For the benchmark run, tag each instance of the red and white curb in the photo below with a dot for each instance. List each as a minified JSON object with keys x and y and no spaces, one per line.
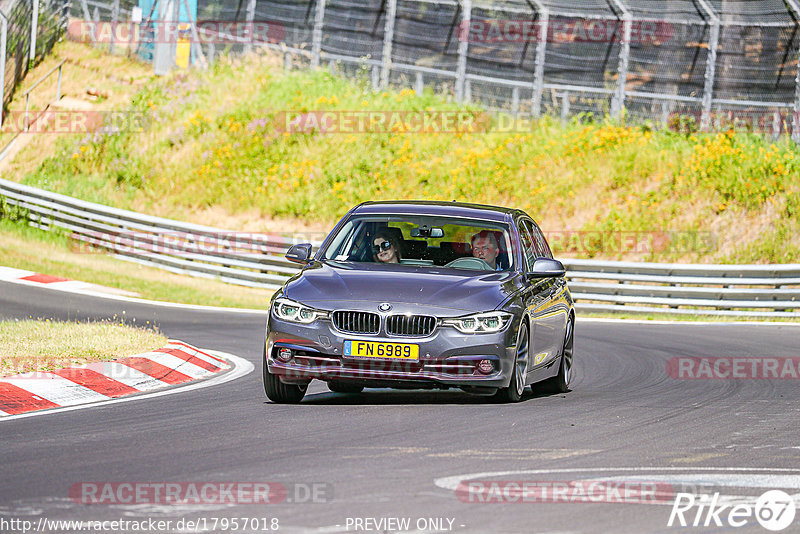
{"x":21,"y":276}
{"x":177,"y":363}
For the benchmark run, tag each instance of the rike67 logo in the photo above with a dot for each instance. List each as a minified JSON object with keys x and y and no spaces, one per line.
{"x":774,"y":510}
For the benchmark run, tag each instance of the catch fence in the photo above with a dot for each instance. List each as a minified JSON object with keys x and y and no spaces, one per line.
{"x":28,"y":31}
{"x":696,"y":64}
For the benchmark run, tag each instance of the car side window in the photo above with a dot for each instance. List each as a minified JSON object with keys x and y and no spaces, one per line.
{"x":541,"y":250}
{"x":528,"y":249}
{"x":541,"y":242}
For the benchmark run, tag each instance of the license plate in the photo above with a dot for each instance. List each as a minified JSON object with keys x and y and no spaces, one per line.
{"x":379,"y":349}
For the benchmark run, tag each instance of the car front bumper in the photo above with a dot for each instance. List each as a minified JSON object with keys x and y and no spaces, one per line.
{"x":447,"y":358}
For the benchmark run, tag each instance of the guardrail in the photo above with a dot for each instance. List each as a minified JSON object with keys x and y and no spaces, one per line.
{"x":256,"y":259}
{"x":251,"y":259}
{"x":738,"y":290}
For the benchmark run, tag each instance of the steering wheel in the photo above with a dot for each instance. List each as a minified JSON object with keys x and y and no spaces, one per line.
{"x":475,"y":264}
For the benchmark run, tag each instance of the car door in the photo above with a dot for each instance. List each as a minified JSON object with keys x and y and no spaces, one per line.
{"x":543,"y":303}
{"x":535,"y":300}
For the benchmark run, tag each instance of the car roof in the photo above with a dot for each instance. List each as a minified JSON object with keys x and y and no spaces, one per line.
{"x":436,"y":208}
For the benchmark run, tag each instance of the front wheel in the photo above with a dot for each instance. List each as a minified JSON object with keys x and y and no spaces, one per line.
{"x":513,"y":393}
{"x":279,"y":392}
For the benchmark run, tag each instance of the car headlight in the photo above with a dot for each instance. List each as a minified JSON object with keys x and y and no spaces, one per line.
{"x":294,"y":312}
{"x":480,"y":322}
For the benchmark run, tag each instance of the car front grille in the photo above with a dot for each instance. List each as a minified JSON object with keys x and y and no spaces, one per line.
{"x":410,"y":325}
{"x":357,"y":322}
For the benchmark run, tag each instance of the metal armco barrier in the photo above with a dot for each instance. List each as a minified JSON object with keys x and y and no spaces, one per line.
{"x":738,"y":290}
{"x":236,"y":257}
{"x":257,"y":260}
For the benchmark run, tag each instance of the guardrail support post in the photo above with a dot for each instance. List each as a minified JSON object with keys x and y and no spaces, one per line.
{"x":795,"y":7}
{"x":515,"y":102}
{"x":711,"y":65}
{"x":34,"y":29}
{"x":543,"y":31}
{"x":419,"y":84}
{"x":564,"y":106}
{"x":251,"y":17}
{"x":58,"y":87}
{"x":114,"y":22}
{"x":463,"y":48}
{"x":388,"y":39}
{"x":618,"y":100}
{"x":87,"y":19}
{"x":316,"y":36}
{"x":796,"y":108}
{"x":3,"y":46}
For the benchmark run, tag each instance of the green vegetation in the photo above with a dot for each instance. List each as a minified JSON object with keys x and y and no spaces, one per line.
{"x":45,"y":345}
{"x":216,"y":139}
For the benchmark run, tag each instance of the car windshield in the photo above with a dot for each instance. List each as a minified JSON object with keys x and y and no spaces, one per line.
{"x":423,"y":240}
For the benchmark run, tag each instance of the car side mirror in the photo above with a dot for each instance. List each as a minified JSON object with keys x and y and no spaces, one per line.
{"x":299,"y":253}
{"x":547,"y":268}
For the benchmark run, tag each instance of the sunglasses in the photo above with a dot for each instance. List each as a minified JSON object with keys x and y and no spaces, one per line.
{"x":386,"y":245}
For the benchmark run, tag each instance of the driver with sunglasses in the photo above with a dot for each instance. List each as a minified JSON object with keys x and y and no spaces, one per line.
{"x":385,"y":249}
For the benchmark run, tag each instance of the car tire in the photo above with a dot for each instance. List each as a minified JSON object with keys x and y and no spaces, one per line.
{"x":344,"y":387}
{"x":279,"y":392}
{"x":560,"y":382}
{"x":516,"y":387}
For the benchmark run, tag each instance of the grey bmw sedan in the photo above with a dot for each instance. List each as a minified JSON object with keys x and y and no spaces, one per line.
{"x":423,"y":295}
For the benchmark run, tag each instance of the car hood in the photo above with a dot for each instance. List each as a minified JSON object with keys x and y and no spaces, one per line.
{"x":330,"y":285}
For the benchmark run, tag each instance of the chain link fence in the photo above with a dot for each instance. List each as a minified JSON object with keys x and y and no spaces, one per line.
{"x":28,"y":31}
{"x":690,"y":63}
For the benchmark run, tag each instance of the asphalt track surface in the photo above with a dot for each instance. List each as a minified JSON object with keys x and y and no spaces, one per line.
{"x":392,"y":454}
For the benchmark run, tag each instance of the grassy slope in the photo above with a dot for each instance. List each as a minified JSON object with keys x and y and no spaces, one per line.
{"x":44,"y":345}
{"x":211,"y":146}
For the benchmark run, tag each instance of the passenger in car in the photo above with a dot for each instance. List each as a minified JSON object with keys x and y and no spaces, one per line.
{"x":485,"y":247}
{"x":386,"y":249}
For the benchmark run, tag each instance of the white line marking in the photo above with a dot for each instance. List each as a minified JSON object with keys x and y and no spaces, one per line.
{"x":580,"y":319}
{"x":10,"y":274}
{"x":132,"y":377}
{"x":139,"y":301}
{"x":199,"y":355}
{"x":452,"y":482}
{"x":55,"y":389}
{"x":173,"y":362}
{"x":241,"y":368}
